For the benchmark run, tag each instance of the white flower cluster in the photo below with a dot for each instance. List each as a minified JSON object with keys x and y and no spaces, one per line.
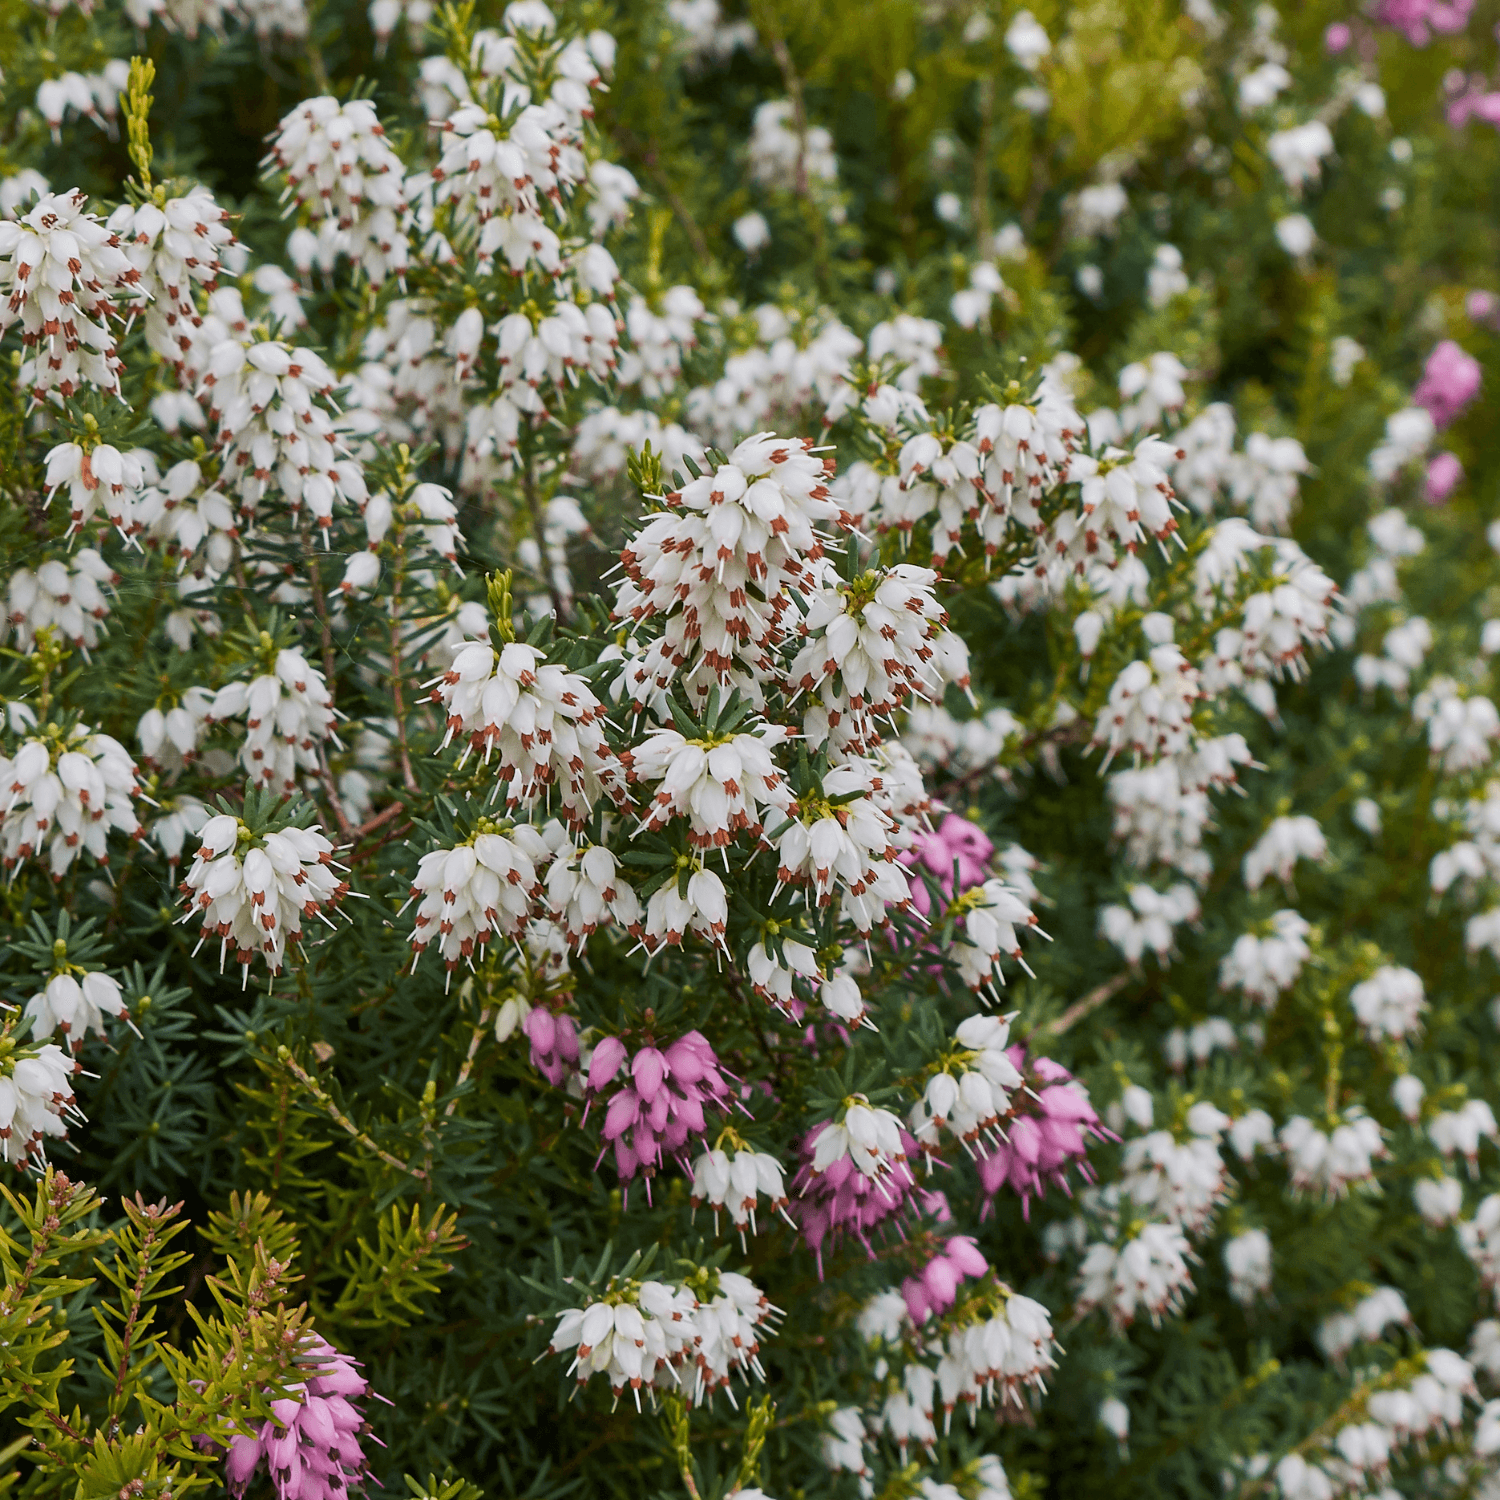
{"x":252,"y":891}
{"x":689,"y":1339}
{"x":61,"y":794}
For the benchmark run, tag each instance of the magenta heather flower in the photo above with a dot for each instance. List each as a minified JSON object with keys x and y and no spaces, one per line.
{"x":1443,"y":475}
{"x":554,"y":1044}
{"x":657,"y":1106}
{"x":311,"y":1447}
{"x":841,"y":1199}
{"x":1048,"y":1130}
{"x":1483,"y":308}
{"x":954,"y":841}
{"x":1337,"y":38}
{"x":1449,"y":383}
{"x":935,"y":1288}
{"x":1416,"y":20}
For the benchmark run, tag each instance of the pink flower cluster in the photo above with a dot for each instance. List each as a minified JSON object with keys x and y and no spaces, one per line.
{"x":657,"y":1105}
{"x":554,"y":1044}
{"x":955,"y":842}
{"x":935,"y":1288}
{"x":1048,"y":1132}
{"x":1416,"y":20}
{"x":1470,"y":99}
{"x":843,"y":1200}
{"x":1449,"y":383}
{"x":1443,"y":475}
{"x":312,"y":1446}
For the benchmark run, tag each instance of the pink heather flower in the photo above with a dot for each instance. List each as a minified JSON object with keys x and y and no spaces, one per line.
{"x":1483,"y":308}
{"x":1443,"y":475}
{"x":1416,"y":20}
{"x":311,"y":1447}
{"x":658,"y":1104}
{"x":843,"y":1200}
{"x":554,"y":1044}
{"x":935,"y":1288}
{"x":955,"y":840}
{"x":1337,"y":38}
{"x":1470,"y":100}
{"x":1449,"y":383}
{"x":1047,"y":1133}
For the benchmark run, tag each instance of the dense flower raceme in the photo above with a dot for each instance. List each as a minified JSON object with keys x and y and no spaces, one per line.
{"x":312,"y":1446}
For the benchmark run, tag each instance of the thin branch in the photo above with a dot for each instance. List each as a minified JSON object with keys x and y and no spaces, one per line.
{"x":1090,"y":1003}
{"x":311,"y":1084}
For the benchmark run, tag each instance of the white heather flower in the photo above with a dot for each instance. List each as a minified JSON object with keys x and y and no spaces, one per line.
{"x":36,"y":1102}
{"x":467,"y":894}
{"x":1260,"y":86}
{"x":845,"y":1445}
{"x":1114,"y":1417}
{"x":1460,"y":730}
{"x":1278,"y":849}
{"x":1181,"y":1181}
{"x":584,"y":889}
{"x":750,"y":524}
{"x":1253,"y":1131}
{"x":870,"y":1137}
{"x":1165,"y":278}
{"x":1480,"y":1238}
{"x":846,"y":846}
{"x":63,"y":595}
{"x":1299,"y":152}
{"x":60,"y":270}
{"x":542,"y":721}
{"x":340,"y":167}
{"x":698,"y":903}
{"x":1002,"y":1350}
{"x":642,"y":1333}
{"x":1097,"y":209}
{"x":287,"y":717}
{"x":62,"y":794}
{"x":778,"y":152}
{"x":906,"y":1415}
{"x":1329,"y":1163}
{"x":1148,"y":1271}
{"x":1295,"y":234}
{"x":735,"y":1182}
{"x":174,"y":246}
{"x":1150,"y":389}
{"x":101,"y":479}
{"x":1265,"y":966}
{"x":721,"y":785}
{"x":1460,"y":1131}
{"x":252,"y":892}
{"x":75,"y":1007}
{"x":1027,"y":41}
{"x":1408,"y":433}
{"x":169,"y":737}
{"x":1389,"y":1003}
{"x":1149,"y":920}
{"x":727,"y":1340}
{"x":268,"y":401}
{"x":181,"y":817}
{"x":992,"y":915}
{"x":972,"y":1092}
{"x":1365,"y":1322}
{"x":1149,"y":710}
{"x":883,"y":1318}
{"x":649,"y":1330}
{"x":1247,"y":1259}
{"x":869,"y":647}
{"x":1407,"y":1094}
{"x":1440,"y":1200}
